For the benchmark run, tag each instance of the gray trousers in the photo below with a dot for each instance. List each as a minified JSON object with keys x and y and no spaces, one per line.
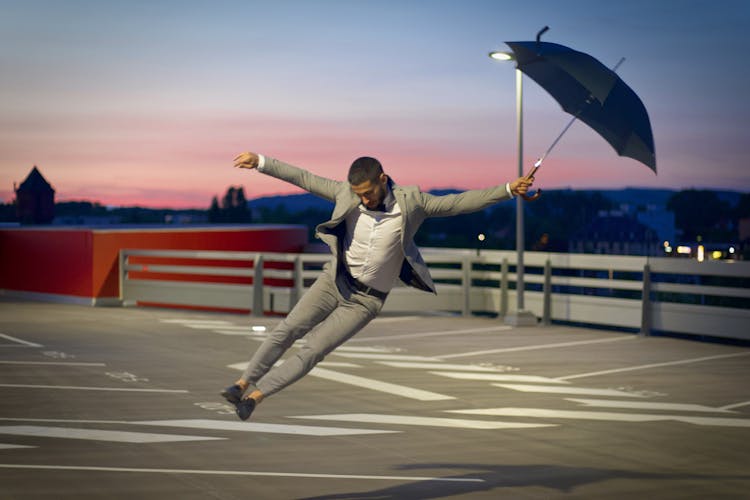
{"x":331,"y":315}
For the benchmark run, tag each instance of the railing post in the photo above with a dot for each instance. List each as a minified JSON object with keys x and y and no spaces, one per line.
{"x":547,"y":313}
{"x":466,"y":285}
{"x":258,"y":286}
{"x":503,"y":287}
{"x":646,"y":302}
{"x":299,"y":282}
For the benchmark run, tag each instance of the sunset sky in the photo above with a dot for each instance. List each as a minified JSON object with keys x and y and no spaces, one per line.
{"x":146,"y":102}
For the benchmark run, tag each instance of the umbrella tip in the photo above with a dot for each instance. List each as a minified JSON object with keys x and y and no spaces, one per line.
{"x":541,"y":32}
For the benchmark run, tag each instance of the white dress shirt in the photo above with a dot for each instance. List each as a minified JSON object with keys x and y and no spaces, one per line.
{"x":372,"y":244}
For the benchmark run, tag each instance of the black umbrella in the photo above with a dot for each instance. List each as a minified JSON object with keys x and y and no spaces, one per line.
{"x":592,"y":93}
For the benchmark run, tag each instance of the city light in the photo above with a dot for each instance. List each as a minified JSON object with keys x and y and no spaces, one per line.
{"x":701,"y":253}
{"x":684,"y":250}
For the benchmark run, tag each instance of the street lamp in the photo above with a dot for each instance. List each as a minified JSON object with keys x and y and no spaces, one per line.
{"x":521,"y":317}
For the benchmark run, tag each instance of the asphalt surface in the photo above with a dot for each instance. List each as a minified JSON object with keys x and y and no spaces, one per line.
{"x":123,"y":403}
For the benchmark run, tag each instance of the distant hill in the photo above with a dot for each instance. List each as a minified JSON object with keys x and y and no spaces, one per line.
{"x":660,"y":197}
{"x":292,"y":202}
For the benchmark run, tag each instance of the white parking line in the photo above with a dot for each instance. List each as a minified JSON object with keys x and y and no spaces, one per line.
{"x":444,"y":366}
{"x":498,"y":377}
{"x":368,"y":383}
{"x":383,"y":338}
{"x":654,"y":365}
{"x":62,"y":421}
{"x":336,"y":364}
{"x":735,"y":405}
{"x":228,"y":327}
{"x":646,"y":405}
{"x":606,"y":416}
{"x":15,"y":341}
{"x":4,"y":446}
{"x":236,"y":473}
{"x":568,"y":390}
{"x":395,"y":319}
{"x":56,"y":363}
{"x":534,"y":347}
{"x":98,"y":434}
{"x":348,"y":348}
{"x":191,"y":321}
{"x":458,"y":423}
{"x":383,"y":357}
{"x":218,"y":425}
{"x":246,"y":332}
{"x":214,"y":325}
{"x":75,"y":388}
{"x":377,"y":385}
{"x":302,"y":430}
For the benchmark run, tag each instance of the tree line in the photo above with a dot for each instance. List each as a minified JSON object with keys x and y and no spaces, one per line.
{"x":699,"y":214}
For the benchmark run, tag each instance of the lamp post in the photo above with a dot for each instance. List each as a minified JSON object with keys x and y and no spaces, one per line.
{"x":521,"y":317}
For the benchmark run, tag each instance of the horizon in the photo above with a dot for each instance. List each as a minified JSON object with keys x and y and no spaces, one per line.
{"x":145,"y":104}
{"x":305,"y":193}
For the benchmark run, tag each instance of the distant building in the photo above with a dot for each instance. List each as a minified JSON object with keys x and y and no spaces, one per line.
{"x":617,"y":234}
{"x":87,"y":220}
{"x":35,"y":199}
{"x":652,"y":215}
{"x":660,"y":220}
{"x":179,"y":218}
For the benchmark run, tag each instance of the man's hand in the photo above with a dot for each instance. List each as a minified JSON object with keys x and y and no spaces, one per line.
{"x":521,"y":185}
{"x":246,"y":160}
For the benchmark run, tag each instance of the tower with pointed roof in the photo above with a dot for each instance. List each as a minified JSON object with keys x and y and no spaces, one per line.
{"x":35,"y":199}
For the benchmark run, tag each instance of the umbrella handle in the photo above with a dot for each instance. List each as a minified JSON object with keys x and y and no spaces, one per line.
{"x":533,"y":196}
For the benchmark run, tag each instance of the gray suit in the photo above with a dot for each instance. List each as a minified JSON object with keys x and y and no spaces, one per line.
{"x":331,"y":304}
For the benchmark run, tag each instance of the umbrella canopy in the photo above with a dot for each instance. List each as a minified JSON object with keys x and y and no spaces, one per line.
{"x":592,"y":93}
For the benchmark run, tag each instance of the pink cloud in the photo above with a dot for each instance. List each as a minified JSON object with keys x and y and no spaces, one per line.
{"x":183,"y":161}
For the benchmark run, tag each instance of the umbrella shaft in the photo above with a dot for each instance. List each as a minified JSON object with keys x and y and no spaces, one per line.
{"x":554,"y":143}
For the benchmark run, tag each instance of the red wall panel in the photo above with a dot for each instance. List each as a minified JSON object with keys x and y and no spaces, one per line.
{"x":46,"y":261}
{"x":83,"y":262}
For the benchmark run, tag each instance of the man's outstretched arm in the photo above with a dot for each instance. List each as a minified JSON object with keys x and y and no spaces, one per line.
{"x":473,"y":200}
{"x":320,"y":186}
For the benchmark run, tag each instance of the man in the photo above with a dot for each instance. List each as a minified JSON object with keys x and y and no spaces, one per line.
{"x":371,"y":236}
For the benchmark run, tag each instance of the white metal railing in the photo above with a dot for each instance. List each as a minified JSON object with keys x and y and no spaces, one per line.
{"x":638,"y":293}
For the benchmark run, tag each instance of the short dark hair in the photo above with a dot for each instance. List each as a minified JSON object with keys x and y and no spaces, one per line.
{"x":364,"y":169}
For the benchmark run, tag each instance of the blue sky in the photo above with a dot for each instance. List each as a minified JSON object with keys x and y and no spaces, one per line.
{"x":147,"y":102}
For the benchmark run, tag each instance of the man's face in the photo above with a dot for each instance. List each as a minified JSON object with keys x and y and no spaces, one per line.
{"x":370,"y":193}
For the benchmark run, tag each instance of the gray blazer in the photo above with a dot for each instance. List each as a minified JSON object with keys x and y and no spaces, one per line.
{"x":415,"y":206}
